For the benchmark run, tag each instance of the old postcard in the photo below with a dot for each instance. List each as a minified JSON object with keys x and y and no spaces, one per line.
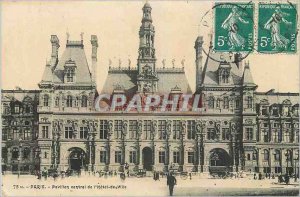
{"x":149,"y":98}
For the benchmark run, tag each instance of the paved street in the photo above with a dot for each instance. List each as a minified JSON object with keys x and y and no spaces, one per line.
{"x":92,"y":186}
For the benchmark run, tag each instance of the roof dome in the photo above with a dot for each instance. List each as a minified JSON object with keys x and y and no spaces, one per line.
{"x":147,"y":5}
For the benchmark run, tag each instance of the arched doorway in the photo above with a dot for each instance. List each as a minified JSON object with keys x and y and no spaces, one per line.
{"x":147,"y":158}
{"x":77,"y":159}
{"x":219,"y":161}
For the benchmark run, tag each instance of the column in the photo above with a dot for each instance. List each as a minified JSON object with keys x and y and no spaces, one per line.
{"x":283,"y":161}
{"x":271,"y":160}
{"x":199,"y":153}
{"x":140,"y":158}
{"x":259,"y":155}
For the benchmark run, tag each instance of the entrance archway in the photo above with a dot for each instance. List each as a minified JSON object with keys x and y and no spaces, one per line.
{"x":77,"y":159}
{"x":219,"y":161}
{"x":147,"y":158}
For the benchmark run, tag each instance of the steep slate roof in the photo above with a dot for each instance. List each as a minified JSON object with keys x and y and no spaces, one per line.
{"x":210,"y":71}
{"x":47,"y":75}
{"x":276,"y":97}
{"x":74,"y":51}
{"x":125,"y":79}
{"x":247,"y":76}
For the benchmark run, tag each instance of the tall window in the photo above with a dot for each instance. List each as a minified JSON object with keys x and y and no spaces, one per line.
{"x":133,"y":129}
{"x":277,"y":136}
{"x":249,"y":133}
{"x":249,"y":102}
{"x":266,"y":134}
{"x":275,"y":110}
{"x":26,"y":153}
{"x":191,"y":157}
{"x":225,"y":134}
{"x":176,"y":157}
{"x":69,"y":101}
{"x":27,"y":134}
{"x":68,"y":132}
{"x":226,"y":102}
{"x":70,"y":74}
{"x":15,"y":134}
{"x":264,"y":110}
{"x":118,"y":129}
{"x":103,"y":129}
{"x":15,"y":153}
{"x":102,"y":156}
{"x":83,"y":132}
{"x":162,"y":157}
{"x":288,"y":136}
{"x":254,"y":155}
{"x":45,"y":131}
{"x":17,"y":109}
{"x":46,"y":100}
{"x":118,"y":157}
{"x":4,"y":134}
{"x":211,"y":134}
{"x":84,"y":101}
{"x":147,"y":129}
{"x":57,"y":102}
{"x":211,"y":102}
{"x":277,"y":155}
{"x":176,"y":129}
{"x":191,"y":130}
{"x":266,"y":155}
{"x":162,"y":129}
{"x":225,"y":76}
{"x":132,"y":157}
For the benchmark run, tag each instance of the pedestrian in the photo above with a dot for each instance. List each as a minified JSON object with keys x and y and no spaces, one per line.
{"x":255,"y":176}
{"x":171,"y":182}
{"x":273,"y":175}
{"x":190,"y":175}
{"x":259,"y":176}
{"x":287,"y":178}
{"x":154,"y":176}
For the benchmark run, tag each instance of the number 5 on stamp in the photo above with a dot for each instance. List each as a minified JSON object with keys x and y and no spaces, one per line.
{"x":233,"y":27}
{"x":277,"y":31}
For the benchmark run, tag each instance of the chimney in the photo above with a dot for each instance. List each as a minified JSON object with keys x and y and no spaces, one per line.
{"x":198,"y":49}
{"x":94,"y":42}
{"x":55,"y":45}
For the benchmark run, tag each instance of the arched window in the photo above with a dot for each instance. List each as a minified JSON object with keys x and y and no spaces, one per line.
{"x":57,"y":102}
{"x":15,"y":153}
{"x":84,"y":101}
{"x":26,"y":153}
{"x":277,"y":155}
{"x":46,"y":100}
{"x":211,"y":102}
{"x":266,"y":155}
{"x":69,"y":101}
{"x":254,"y":155}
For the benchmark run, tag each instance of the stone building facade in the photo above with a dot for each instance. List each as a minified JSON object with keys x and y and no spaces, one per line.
{"x":237,"y":128}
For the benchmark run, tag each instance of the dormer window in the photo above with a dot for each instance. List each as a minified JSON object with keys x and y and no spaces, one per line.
{"x":225,"y":76}
{"x":224,"y":72}
{"x":249,"y":101}
{"x":70,"y":68}
{"x":211,"y":102}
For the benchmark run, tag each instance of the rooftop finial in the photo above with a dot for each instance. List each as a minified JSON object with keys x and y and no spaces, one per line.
{"x":81,"y":35}
{"x":164,"y":62}
{"x":182,"y":63}
{"x":68,"y":35}
{"x":173,"y":63}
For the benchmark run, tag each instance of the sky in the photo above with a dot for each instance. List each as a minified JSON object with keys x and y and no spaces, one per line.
{"x":26,"y":28}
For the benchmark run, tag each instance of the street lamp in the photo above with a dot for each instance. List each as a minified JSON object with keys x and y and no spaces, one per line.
{"x":287,"y":162}
{"x":19,"y":158}
{"x":295,"y":168}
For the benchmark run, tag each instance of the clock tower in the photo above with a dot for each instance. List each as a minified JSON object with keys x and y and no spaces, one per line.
{"x":147,"y":77}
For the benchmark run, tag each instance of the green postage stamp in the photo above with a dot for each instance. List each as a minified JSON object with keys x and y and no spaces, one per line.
{"x":277,"y":30}
{"x":234,"y":27}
